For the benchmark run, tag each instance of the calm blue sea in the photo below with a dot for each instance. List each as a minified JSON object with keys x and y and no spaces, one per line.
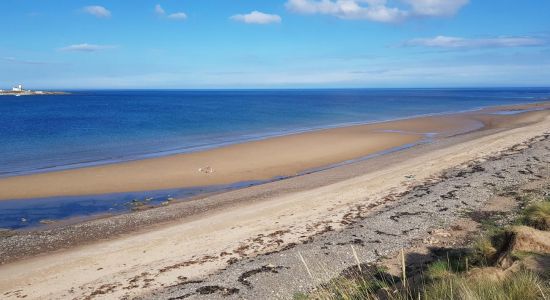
{"x":38,"y":133}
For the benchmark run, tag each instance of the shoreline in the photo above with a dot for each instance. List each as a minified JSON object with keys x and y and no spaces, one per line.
{"x":120,"y":203}
{"x":261,"y":160}
{"x":259,"y":137}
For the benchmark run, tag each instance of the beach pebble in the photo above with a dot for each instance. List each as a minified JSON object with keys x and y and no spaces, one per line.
{"x":4,"y":233}
{"x":431,"y":241}
{"x":441,"y":233}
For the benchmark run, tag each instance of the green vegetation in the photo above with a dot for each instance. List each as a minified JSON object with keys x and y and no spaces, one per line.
{"x":522,"y":285}
{"x":477,"y":272}
{"x":538,"y":215}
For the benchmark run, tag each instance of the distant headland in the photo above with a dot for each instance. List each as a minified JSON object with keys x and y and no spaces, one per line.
{"x":20,"y":91}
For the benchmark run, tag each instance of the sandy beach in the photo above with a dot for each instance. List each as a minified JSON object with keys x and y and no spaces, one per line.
{"x":228,"y":227}
{"x":258,"y":160}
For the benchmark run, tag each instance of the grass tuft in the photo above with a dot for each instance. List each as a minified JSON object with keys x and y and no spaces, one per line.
{"x":538,"y":215}
{"x":523,"y":285}
{"x":438,"y":270}
{"x":484,"y":252}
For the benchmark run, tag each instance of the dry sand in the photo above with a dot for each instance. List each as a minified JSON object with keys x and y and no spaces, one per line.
{"x":194,"y":247}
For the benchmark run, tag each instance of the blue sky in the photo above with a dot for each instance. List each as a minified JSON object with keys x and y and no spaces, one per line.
{"x":274,"y":43}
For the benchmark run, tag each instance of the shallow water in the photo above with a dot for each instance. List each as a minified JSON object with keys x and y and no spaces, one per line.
{"x":27,"y":214}
{"x":18,"y":214}
{"x":514,"y":112}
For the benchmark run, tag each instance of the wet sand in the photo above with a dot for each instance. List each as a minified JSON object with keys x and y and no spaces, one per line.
{"x":257,"y":160}
{"x":192,"y":247}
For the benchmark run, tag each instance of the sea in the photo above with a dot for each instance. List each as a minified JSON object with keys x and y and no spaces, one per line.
{"x":94,"y":127}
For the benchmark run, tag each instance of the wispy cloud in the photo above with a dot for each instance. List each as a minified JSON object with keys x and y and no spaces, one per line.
{"x":97,"y":11}
{"x":376,"y":10}
{"x":436,"y":8}
{"x":257,"y":17}
{"x":177,"y":16}
{"x":23,"y":61}
{"x":458,"y":42}
{"x":159,"y":10}
{"x":34,"y":14}
{"x":86,"y":48}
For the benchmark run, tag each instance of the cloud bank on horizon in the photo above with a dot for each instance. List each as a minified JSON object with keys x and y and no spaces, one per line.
{"x":86,"y":48}
{"x":300,"y":43}
{"x":457,"y":42}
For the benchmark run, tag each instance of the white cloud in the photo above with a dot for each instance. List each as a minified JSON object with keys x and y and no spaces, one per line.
{"x":86,"y":48}
{"x":177,"y":16}
{"x":376,"y":10}
{"x":22,"y":61}
{"x":98,"y":11}
{"x":159,"y":10}
{"x":257,"y":17}
{"x":458,"y":42}
{"x":436,"y":8}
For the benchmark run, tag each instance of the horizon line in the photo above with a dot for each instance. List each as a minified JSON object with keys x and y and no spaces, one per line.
{"x":291,"y":88}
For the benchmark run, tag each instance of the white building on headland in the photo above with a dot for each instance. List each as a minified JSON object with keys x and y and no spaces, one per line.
{"x":18,"y":88}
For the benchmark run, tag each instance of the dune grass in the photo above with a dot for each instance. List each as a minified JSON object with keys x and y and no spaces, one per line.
{"x":440,"y":282}
{"x":523,"y":285}
{"x":450,"y":279}
{"x":538,"y":215}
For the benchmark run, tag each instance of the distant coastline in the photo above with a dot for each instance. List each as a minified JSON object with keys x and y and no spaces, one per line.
{"x":18,"y":90}
{"x":31,"y":93}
